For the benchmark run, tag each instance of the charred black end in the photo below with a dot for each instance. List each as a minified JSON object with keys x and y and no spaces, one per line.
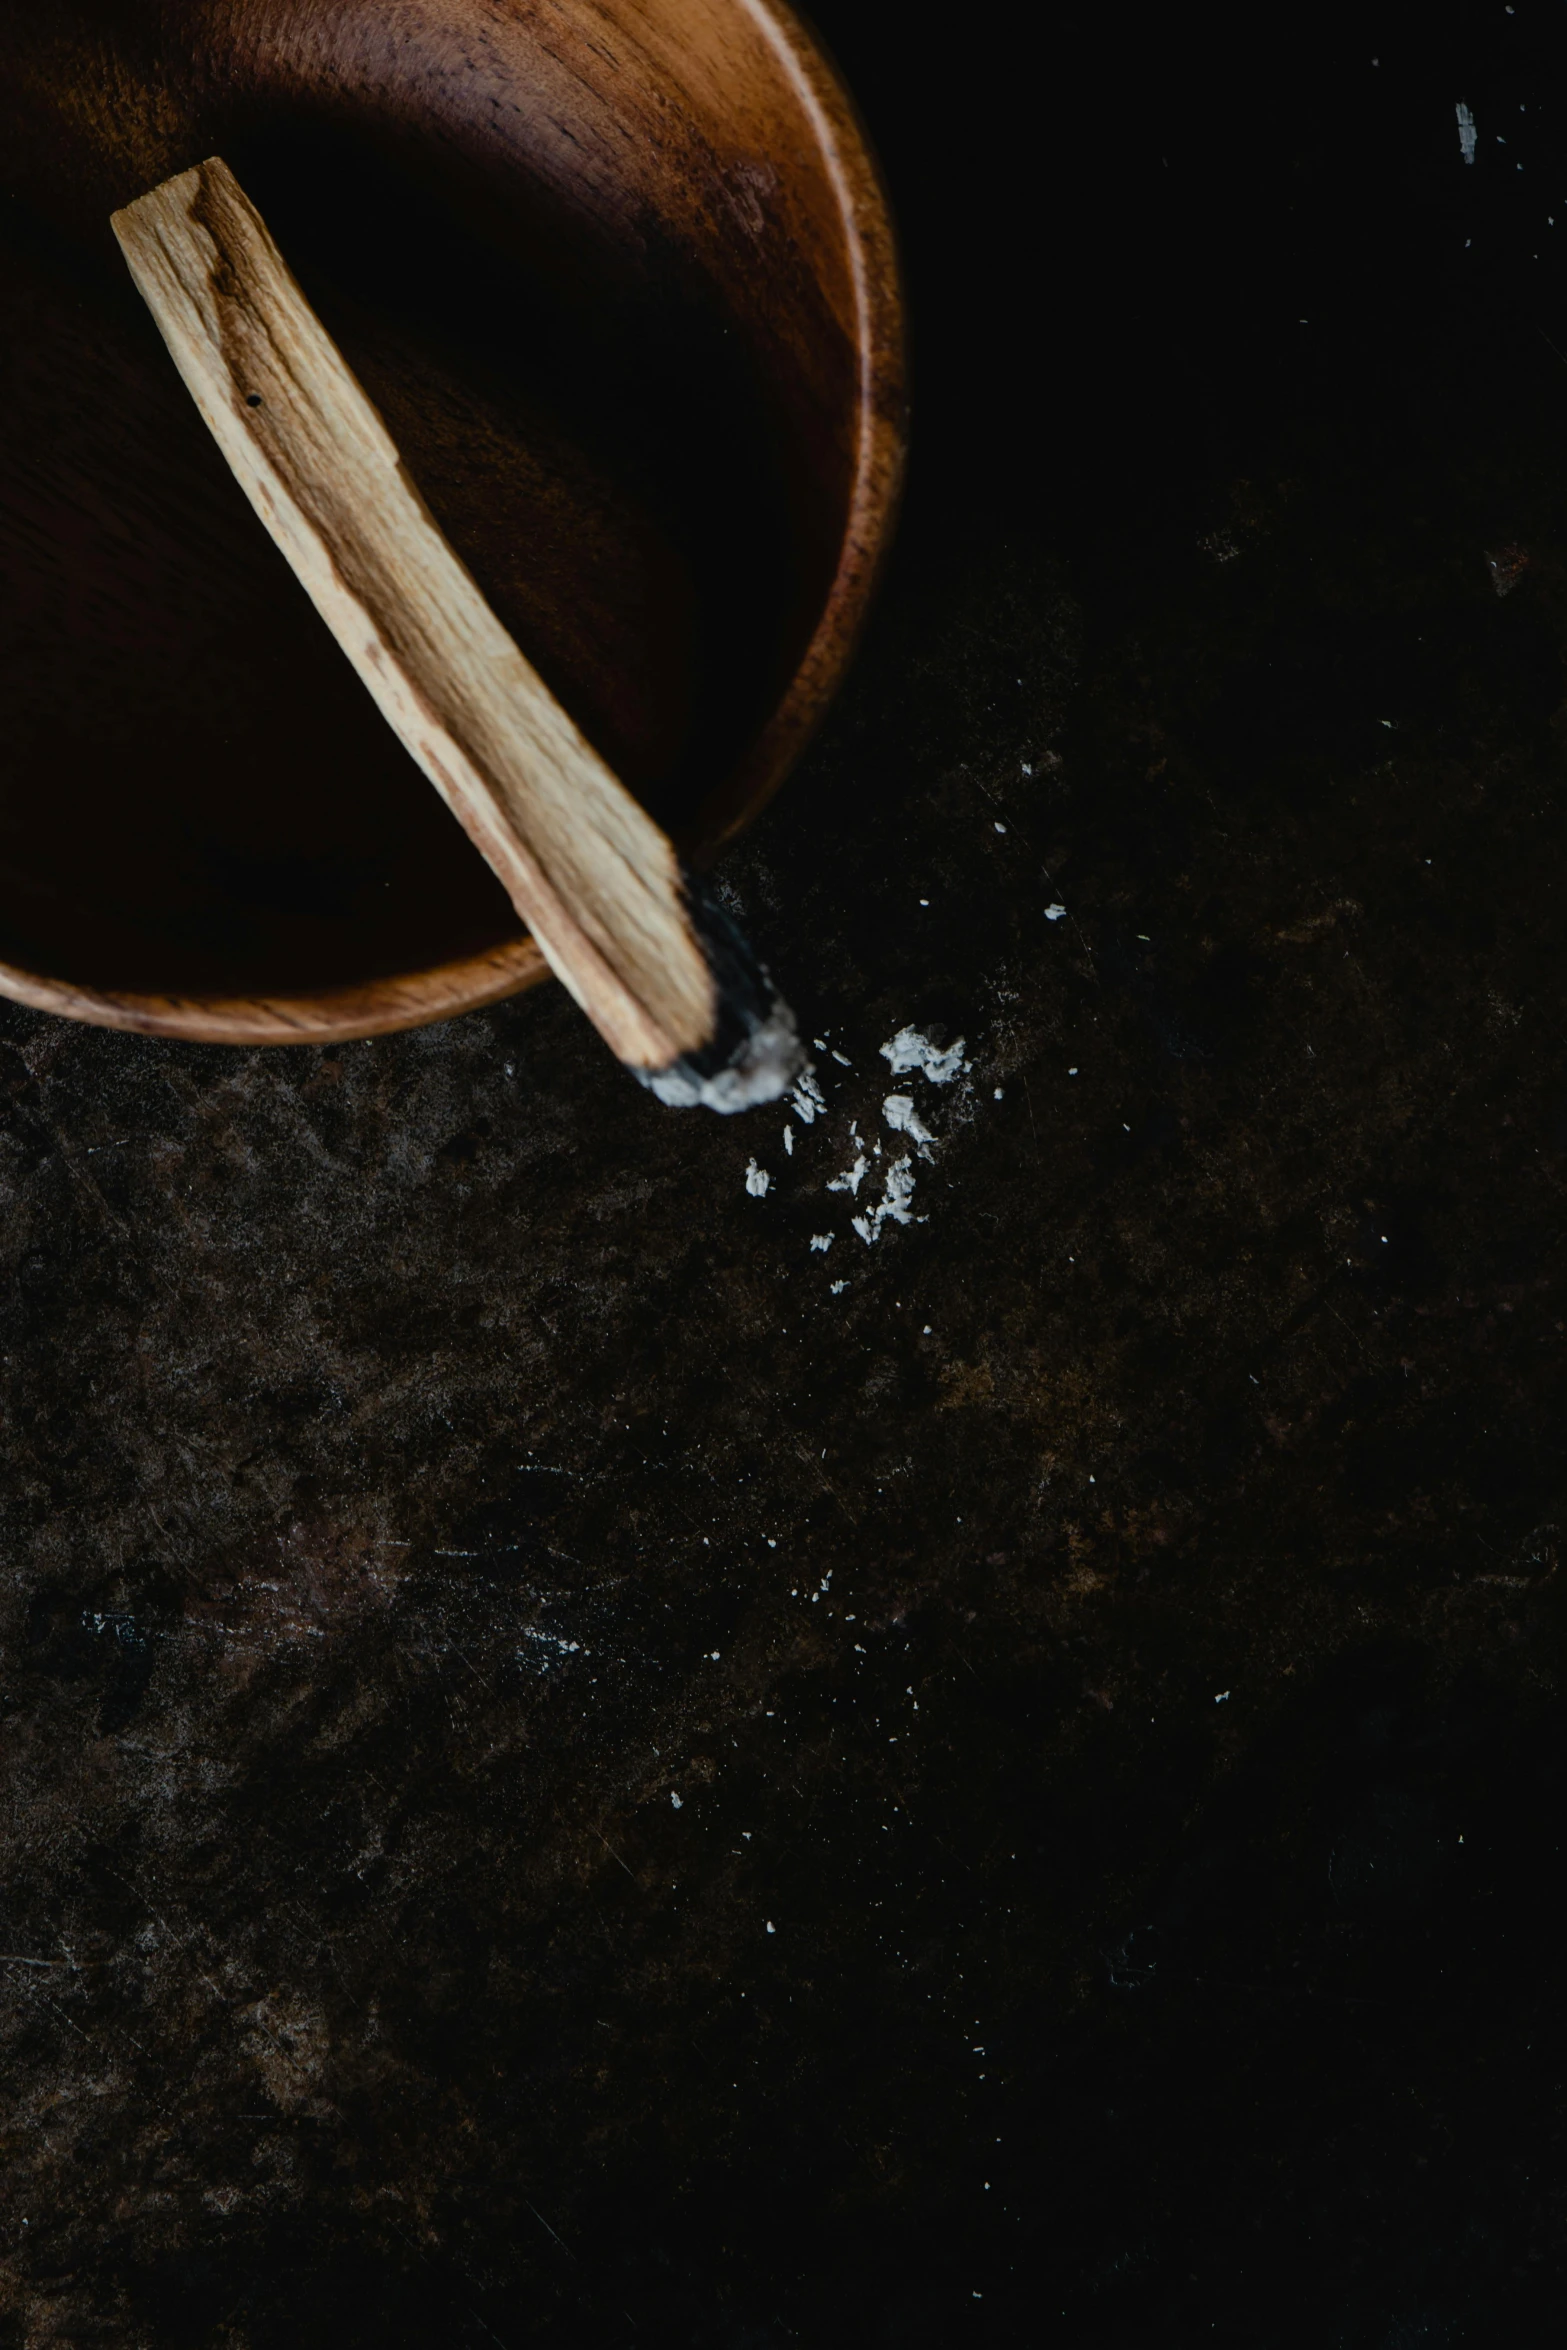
{"x":756,"y":1052}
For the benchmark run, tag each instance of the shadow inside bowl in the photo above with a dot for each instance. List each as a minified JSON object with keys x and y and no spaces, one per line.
{"x":627,"y":378}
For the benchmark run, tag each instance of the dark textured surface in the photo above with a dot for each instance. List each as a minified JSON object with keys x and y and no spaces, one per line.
{"x":565,"y":1782}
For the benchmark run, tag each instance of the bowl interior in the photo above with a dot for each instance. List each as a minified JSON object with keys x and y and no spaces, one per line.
{"x":595,"y":270}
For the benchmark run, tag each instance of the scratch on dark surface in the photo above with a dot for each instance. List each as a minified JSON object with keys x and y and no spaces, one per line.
{"x":614,"y":1855}
{"x":549,"y":2231}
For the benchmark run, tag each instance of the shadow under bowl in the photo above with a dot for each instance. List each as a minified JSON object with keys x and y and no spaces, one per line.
{"x":620,"y":277}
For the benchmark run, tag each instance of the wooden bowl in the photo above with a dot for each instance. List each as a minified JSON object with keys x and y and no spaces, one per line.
{"x":619,"y":275}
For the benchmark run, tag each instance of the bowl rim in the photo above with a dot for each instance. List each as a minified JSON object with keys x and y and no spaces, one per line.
{"x":414,"y":999}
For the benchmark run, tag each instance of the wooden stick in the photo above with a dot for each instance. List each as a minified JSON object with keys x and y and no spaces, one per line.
{"x":651,"y":960}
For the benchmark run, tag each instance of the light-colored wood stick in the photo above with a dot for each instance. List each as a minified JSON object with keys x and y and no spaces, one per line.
{"x":591,"y":874}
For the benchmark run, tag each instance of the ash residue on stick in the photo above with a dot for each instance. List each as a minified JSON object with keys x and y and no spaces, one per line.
{"x":756,"y":1053}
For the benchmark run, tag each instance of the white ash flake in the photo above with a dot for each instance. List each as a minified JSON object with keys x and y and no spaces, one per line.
{"x":839,"y":1287}
{"x":808,"y":1100}
{"x":1055,"y":913}
{"x":909,"y":1050}
{"x":901,"y":1115}
{"x":852,"y":1177}
{"x":893,"y":1206}
{"x":1466,"y":133}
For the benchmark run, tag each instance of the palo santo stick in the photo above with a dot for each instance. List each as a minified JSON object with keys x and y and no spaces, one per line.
{"x":653,"y":963}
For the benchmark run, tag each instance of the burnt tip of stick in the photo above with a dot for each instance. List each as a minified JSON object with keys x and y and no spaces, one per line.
{"x":756,"y":1053}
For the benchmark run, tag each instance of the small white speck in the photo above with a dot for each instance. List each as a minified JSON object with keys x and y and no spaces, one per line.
{"x":757,"y":1180}
{"x":1466,"y":137}
{"x":713,"y":1659}
{"x":924,"y":901}
{"x":1001,"y":828}
{"x":771,"y":1928}
{"x":997,"y":1095}
{"x":838,"y":1287}
{"x":788,"y":1142}
{"x":842,"y":1059}
{"x":1222,"y":1697}
{"x":926,"y":1331}
{"x":675,"y":1800}
{"x":1027,"y":770}
{"x":1071,"y":1072}
{"x":822,"y":1240}
{"x":1055,"y":913}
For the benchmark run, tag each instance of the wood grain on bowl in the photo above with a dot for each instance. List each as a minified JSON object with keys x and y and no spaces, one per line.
{"x":621,"y":282}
